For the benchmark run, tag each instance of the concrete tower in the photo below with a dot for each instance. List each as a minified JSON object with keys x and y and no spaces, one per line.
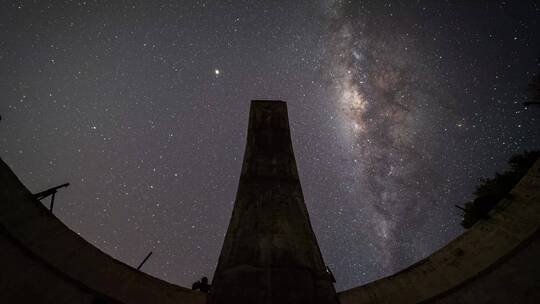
{"x":270,"y":254}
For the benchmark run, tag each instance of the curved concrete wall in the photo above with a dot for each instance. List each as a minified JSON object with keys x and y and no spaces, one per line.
{"x":496,"y":261}
{"x":514,"y":280}
{"x":26,"y":278}
{"x":43,"y":261}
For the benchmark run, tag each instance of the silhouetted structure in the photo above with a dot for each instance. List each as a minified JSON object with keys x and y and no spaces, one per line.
{"x":270,"y":254}
{"x":144,"y":261}
{"x":201,"y":285}
{"x":50,"y":192}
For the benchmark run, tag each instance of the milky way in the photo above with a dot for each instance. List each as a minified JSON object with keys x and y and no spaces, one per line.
{"x":388,"y":98}
{"x":397,"y":108}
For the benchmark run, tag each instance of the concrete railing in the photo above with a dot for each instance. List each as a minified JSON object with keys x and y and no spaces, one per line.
{"x":48,"y":241}
{"x":27,"y":226}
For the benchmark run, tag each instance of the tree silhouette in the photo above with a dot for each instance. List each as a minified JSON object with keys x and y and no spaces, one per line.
{"x":492,"y":190}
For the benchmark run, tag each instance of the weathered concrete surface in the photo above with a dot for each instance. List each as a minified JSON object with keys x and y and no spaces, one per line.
{"x":26,"y":278}
{"x":270,"y":254}
{"x":43,"y":261}
{"x":515,"y":280}
{"x":496,"y":261}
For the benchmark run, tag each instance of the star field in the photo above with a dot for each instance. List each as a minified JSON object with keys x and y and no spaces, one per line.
{"x":396,"y":109}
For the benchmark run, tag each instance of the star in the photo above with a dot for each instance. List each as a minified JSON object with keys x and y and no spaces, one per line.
{"x":380,"y":114}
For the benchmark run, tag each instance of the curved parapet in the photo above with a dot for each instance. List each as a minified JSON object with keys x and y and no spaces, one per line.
{"x":496,"y":261}
{"x":43,"y":261}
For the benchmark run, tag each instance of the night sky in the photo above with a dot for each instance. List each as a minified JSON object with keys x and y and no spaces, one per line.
{"x":397,"y":108}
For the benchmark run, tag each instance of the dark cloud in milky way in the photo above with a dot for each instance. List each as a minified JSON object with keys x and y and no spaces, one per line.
{"x":389,"y":96}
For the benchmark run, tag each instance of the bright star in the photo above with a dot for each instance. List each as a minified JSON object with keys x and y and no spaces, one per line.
{"x":216,"y":71}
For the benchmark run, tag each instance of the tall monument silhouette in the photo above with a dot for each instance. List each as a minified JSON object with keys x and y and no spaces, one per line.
{"x":270,"y":253}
